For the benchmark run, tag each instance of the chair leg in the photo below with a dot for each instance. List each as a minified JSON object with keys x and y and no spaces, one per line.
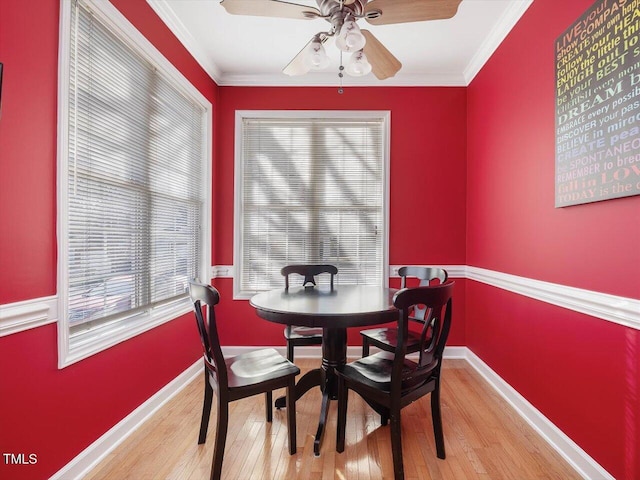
{"x":343,"y":398}
{"x":365,"y":347}
{"x":384,"y":419}
{"x":268,"y":402}
{"x":221,"y":435}
{"x":436,"y":418}
{"x":396,"y":446}
{"x":291,"y":415}
{"x":290,"y":351}
{"x":206,"y":409}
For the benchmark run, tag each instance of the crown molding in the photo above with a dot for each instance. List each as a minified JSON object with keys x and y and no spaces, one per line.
{"x":317,"y":79}
{"x":324,"y":79}
{"x":506,"y":23}
{"x":171,"y":20}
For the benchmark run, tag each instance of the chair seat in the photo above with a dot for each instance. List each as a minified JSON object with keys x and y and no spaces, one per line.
{"x":388,"y":337}
{"x":298,"y":332}
{"x":258,"y":366}
{"x":375,"y":371}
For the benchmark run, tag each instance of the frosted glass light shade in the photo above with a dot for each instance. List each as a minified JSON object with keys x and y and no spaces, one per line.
{"x":350,"y":38}
{"x":316,"y":57}
{"x":358,"y":65}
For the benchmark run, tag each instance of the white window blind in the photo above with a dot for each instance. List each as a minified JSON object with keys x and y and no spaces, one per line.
{"x":134,"y":181}
{"x":312,"y":190}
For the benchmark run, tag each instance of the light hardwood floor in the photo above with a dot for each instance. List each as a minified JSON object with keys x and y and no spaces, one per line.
{"x":484,"y":439}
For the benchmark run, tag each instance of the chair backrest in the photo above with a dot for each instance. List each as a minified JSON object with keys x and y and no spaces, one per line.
{"x":309,"y":273}
{"x":438,"y":300}
{"x":425,"y":275}
{"x":206,"y":295}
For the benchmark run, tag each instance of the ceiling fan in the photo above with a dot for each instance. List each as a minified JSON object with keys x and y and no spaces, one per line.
{"x":368,"y":54}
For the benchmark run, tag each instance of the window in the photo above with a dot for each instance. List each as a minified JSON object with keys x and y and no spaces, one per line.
{"x":133,"y":183}
{"x":311,"y":187}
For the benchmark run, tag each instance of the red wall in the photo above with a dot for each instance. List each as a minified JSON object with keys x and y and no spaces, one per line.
{"x":581,"y":372}
{"x":427,"y":184}
{"x":478,"y":163}
{"x":53,"y":413}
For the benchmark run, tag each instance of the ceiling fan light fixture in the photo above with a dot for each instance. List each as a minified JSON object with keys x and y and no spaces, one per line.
{"x":350,"y":38}
{"x":316,"y":57}
{"x":358,"y":65}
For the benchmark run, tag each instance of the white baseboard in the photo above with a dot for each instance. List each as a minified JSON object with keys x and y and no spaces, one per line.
{"x":98,"y":450}
{"x":586,"y":466}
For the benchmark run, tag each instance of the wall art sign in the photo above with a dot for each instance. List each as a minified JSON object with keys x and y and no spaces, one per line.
{"x":598,"y":105}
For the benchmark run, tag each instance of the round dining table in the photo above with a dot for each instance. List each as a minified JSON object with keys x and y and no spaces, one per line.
{"x":334,"y":310}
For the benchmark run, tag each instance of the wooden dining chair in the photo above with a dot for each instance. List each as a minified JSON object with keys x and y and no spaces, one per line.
{"x":389,"y":381}
{"x":242,"y":376}
{"x":295,"y":335}
{"x":387,"y":338}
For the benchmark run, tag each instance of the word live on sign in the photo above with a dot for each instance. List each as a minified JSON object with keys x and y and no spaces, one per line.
{"x":598,"y":105}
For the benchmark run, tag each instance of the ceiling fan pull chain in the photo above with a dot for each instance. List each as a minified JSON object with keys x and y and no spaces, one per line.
{"x":340,"y":75}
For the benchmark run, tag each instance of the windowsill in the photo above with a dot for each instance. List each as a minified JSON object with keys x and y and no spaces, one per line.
{"x":83,"y":345}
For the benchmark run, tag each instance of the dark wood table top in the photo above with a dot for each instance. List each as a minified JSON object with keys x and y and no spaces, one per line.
{"x":344,"y":306}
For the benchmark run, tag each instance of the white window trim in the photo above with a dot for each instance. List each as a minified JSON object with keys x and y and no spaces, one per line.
{"x":110,"y":335}
{"x":355,"y":114}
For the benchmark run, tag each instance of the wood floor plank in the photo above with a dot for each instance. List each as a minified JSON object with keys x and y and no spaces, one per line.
{"x":485,"y":439}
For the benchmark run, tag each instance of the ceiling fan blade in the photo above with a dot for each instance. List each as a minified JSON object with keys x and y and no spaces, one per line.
{"x":270,"y":8}
{"x":404,"y":11}
{"x":298,"y":66}
{"x":383,"y":63}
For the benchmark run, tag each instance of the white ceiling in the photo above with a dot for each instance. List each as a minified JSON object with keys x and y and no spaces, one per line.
{"x":244,"y":50}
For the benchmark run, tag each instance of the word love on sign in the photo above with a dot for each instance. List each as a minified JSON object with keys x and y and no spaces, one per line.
{"x":598,"y":105}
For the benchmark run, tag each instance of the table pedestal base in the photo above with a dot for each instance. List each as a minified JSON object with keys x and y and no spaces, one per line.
{"x":334,"y":354}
